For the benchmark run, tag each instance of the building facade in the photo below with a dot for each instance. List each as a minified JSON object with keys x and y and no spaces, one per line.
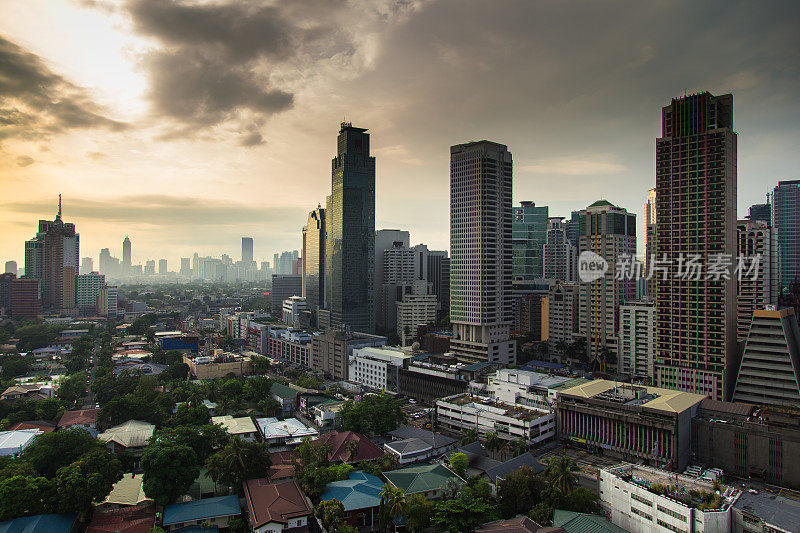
{"x":331,"y":350}
{"x":696,"y":191}
{"x":637,"y":338}
{"x":562,"y":316}
{"x":314,"y":260}
{"x":350,"y":238}
{"x":650,"y":240}
{"x":529,"y":235}
{"x":756,"y":242}
{"x":481,"y":308}
{"x":560,"y":256}
{"x":89,"y":287}
{"x":786,"y":220}
{"x":284,"y":286}
{"x":418,"y":307}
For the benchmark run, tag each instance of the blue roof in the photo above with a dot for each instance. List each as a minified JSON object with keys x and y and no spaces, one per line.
{"x":179,"y":513}
{"x":42,"y":523}
{"x":359,"y":491}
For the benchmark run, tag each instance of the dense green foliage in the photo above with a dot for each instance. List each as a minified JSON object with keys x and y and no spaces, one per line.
{"x":169,"y":471}
{"x":375,"y":414}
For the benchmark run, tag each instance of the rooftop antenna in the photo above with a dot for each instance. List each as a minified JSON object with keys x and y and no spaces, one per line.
{"x":59,"y":208}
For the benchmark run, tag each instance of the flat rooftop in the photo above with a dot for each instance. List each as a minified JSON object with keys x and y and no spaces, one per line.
{"x":480,"y":403}
{"x":775,"y":510}
{"x":654,"y":398}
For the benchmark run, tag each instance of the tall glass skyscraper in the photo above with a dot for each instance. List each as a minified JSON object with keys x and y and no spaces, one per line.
{"x":786,"y":219}
{"x":350,"y":241}
{"x":528,"y":237}
{"x":247,"y":250}
{"x":314,"y":260}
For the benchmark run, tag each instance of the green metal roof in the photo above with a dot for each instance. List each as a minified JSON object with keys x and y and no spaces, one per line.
{"x":574,"y":522}
{"x":282,"y":391}
{"x":600,"y":203}
{"x":421,"y":478}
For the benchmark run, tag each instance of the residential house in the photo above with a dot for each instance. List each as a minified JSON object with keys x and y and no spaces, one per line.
{"x":28,"y":391}
{"x":361,"y":496}
{"x":573,"y":522}
{"x":289,"y":432}
{"x":213,"y":511}
{"x":518,"y":524}
{"x":286,"y":396}
{"x":429,"y":480}
{"x":127,"y":492}
{"x":41,"y":523}
{"x":42,"y":425}
{"x":129,"y":519}
{"x":12,"y":443}
{"x":84,"y":419}
{"x":411,"y":444}
{"x":241,"y":427}
{"x":276,"y":507}
{"x":343,"y":451}
{"x":131,"y":437}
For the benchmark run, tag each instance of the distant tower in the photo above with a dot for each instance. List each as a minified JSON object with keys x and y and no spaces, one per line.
{"x":314,"y":260}
{"x":126,"y":255}
{"x":247,"y":250}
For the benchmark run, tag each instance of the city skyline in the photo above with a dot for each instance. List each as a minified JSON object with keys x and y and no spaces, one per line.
{"x":129,"y":162}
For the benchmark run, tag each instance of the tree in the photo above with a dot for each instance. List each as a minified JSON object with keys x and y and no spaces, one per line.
{"x":10,"y":467}
{"x":376,"y":414}
{"x":469,"y":436}
{"x":26,"y":495}
{"x":51,"y":451}
{"x":308,"y":382}
{"x":204,"y":440}
{"x":72,"y":389}
{"x":169,"y":471}
{"x":464,"y":513}
{"x":559,"y":471}
{"x":519,"y":447}
{"x":392,"y":505}
{"x":353,"y":448}
{"x":418,"y":513}
{"x":270,"y":407}
{"x":88,"y":480}
{"x":519,"y":491}
{"x":330,"y":513}
{"x":493,"y":442}
{"x":257,"y":389}
{"x":177,"y":370}
{"x":459,"y":463}
{"x":237,"y":462}
{"x":189,"y":415}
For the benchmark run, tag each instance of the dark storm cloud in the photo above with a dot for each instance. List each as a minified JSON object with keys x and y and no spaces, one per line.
{"x":216,"y":59}
{"x":163,"y":211}
{"x":36,"y":102}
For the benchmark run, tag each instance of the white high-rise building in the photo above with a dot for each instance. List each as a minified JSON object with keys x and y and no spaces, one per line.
{"x":417,"y":307}
{"x":481,"y":307}
{"x":89,"y":287}
{"x":637,"y":338}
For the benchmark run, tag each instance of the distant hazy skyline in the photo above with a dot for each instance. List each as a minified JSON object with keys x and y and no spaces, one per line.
{"x":187,"y":125}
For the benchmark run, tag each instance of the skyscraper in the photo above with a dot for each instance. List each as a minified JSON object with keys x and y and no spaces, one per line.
{"x":756,"y":241}
{"x":439,"y":276}
{"x":350,"y":240}
{"x":696,"y":192}
{"x":480,"y":245}
{"x":126,"y":256}
{"x":162,"y":267}
{"x":87,"y":265}
{"x":11,"y":267}
{"x":786,"y":219}
{"x":385,"y":239}
{"x":186,"y":269}
{"x":610,"y":232}
{"x":314,"y":260}
{"x":560,"y":256}
{"x":762,"y":212}
{"x":650,"y":239}
{"x":52,"y":257}
{"x":247,"y":250}
{"x":529,"y":234}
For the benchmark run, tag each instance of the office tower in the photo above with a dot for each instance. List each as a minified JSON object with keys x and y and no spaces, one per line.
{"x":162,"y":267}
{"x":769,"y":373}
{"x":650,"y":240}
{"x":573,"y":229}
{"x":26,"y":301}
{"x":480,"y":247}
{"x":762,"y":212}
{"x":610,"y":232}
{"x":6,"y":283}
{"x":126,"y":256}
{"x":109,"y":266}
{"x":89,"y":287}
{"x":786,"y":219}
{"x":54,"y":257}
{"x":530,"y":311}
{"x":331,"y":351}
{"x":186,"y":268}
{"x":297,"y":266}
{"x":276,"y":264}
{"x":11,"y":267}
{"x":247,"y":250}
{"x":439,"y":276}
{"x":560,"y":256}
{"x":637,"y":338}
{"x":314,"y":260}
{"x":195,"y":265}
{"x":562,"y":316}
{"x":284,"y":286}
{"x":150,"y":267}
{"x":87,"y":265}
{"x":108,"y":302}
{"x":350,"y":240}
{"x":417,"y":307}
{"x":696,"y":194}
{"x":529,"y":234}
{"x":385,"y":239}
{"x":756,"y":241}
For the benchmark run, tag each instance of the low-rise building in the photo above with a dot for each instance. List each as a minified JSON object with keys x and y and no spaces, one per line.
{"x":528,"y":388}
{"x":510,"y":422}
{"x":349,"y":447}
{"x":767,"y":512}
{"x":630,"y":422}
{"x":642,"y":500}
{"x":331,"y":351}
{"x":289,"y":432}
{"x":428,"y":480}
{"x":286,"y":396}
{"x":410,"y":444}
{"x":242,"y":427}
{"x":31,"y":391}
{"x":131,"y":437}
{"x":295,"y":309}
{"x":326,"y":414}
{"x":360,"y":495}
{"x":126,"y":492}
{"x":212,"y":511}
{"x":427,"y":381}
{"x":12,"y":443}
{"x":290,"y":344}
{"x":84,"y":419}
{"x":218,"y":365}
{"x":377,"y":367}
{"x":276,"y":507}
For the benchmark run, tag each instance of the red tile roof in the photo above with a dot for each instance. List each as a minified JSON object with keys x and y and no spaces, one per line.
{"x":275,"y":502}
{"x":340,"y":450}
{"x":281,"y":466}
{"x":85,"y":416}
{"x":44,"y":426}
{"x":138,"y":519}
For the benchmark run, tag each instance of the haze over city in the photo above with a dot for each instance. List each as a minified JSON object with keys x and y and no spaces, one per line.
{"x":154,"y":122}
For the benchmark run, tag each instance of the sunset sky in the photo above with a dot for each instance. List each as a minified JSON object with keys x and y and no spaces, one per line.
{"x":189,"y":124}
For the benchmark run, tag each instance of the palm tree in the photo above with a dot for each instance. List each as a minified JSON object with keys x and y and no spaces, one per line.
{"x":493,"y":442}
{"x":559,"y":472}
{"x":469,"y":436}
{"x":352,"y":449}
{"x":519,"y":447}
{"x":392,"y":505}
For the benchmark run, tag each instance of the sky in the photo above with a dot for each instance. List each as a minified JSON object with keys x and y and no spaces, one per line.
{"x":189,"y":124}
